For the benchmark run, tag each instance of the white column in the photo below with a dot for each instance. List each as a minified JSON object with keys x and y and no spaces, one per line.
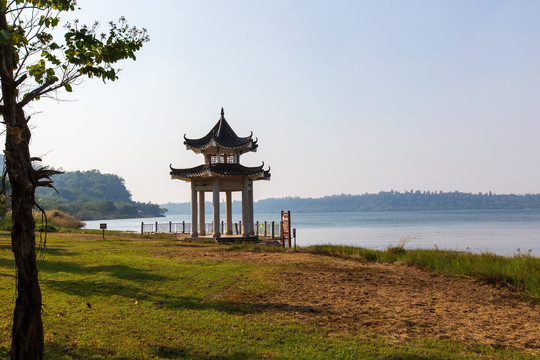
{"x":250,"y":208}
{"x":228,"y":210}
{"x":245,"y":217}
{"x":194,"y":232}
{"x":202,"y":220}
{"x":217,"y":222}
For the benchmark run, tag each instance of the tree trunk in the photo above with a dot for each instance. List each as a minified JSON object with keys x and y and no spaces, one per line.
{"x":27,"y":336}
{"x":27,"y":340}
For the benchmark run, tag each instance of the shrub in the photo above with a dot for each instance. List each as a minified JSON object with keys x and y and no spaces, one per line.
{"x":58,"y":219}
{"x":48,"y":228}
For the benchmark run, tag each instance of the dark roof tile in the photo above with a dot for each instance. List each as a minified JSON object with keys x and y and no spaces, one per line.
{"x":221,"y":169}
{"x":223,"y":135}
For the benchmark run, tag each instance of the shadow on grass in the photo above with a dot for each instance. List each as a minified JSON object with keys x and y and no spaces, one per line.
{"x":410,"y":357}
{"x":58,"y":252}
{"x":7,"y":263}
{"x":165,"y":352}
{"x":64,"y":351}
{"x":126,"y":272}
{"x":48,"y":250}
{"x":54,"y":350}
{"x":5,"y":247}
{"x":85,"y":289}
{"x":118,"y":271}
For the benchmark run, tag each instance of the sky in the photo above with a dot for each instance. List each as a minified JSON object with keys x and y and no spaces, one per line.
{"x":345,"y":97}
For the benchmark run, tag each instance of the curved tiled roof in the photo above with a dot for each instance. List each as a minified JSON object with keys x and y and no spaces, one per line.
{"x":223,"y":135}
{"x":221,"y":169}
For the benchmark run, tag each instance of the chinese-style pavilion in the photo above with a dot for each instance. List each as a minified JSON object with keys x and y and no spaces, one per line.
{"x":221,"y":172}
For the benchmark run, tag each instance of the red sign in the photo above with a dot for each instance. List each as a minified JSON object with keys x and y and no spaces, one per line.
{"x":286,"y":227}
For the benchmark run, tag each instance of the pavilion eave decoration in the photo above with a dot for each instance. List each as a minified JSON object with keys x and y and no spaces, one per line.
{"x":221,"y":172}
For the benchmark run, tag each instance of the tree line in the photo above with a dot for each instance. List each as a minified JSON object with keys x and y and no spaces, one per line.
{"x":384,"y":201}
{"x":91,"y":195}
{"x":401,"y":201}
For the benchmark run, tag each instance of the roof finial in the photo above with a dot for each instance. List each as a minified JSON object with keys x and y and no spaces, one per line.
{"x":222,"y":112}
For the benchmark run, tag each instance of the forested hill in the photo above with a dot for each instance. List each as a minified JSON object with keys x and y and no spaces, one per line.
{"x":387,"y":201}
{"x":396,"y":201}
{"x":91,"y":195}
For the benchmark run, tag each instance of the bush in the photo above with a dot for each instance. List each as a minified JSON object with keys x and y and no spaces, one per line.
{"x":5,"y":223}
{"x":58,"y":219}
{"x":48,"y":228}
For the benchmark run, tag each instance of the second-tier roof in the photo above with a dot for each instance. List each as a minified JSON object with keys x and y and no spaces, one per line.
{"x":225,"y":170}
{"x":221,"y":135}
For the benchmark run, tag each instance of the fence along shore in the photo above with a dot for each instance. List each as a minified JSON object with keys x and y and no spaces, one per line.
{"x":271,"y":229}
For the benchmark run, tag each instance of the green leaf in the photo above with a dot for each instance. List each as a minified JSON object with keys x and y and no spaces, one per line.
{"x":5,"y":37}
{"x":68,"y":88}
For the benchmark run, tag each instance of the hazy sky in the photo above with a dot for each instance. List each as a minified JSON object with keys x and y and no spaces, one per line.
{"x":344,"y":96}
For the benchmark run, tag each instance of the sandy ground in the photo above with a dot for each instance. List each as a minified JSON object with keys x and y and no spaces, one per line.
{"x":395,"y":301}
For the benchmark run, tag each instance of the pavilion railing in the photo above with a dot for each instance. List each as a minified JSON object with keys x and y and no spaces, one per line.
{"x":266,"y":228}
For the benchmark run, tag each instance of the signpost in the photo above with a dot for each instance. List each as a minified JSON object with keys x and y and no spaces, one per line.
{"x":285,"y":228}
{"x":103,"y":226}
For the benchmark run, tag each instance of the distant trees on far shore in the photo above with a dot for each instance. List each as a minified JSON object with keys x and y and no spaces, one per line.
{"x":386,"y":201}
{"x":91,"y":195}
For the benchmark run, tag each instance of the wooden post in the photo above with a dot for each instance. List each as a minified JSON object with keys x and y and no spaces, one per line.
{"x":272,"y":230}
{"x":257,"y":228}
{"x":103,"y":226}
{"x":236,"y":228}
{"x":222,"y":227}
{"x":265,"y":228}
{"x":183,"y":227}
{"x":282,"y":237}
{"x":142,"y":227}
{"x":170,"y":226}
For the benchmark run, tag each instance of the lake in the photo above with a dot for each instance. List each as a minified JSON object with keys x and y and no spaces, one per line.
{"x":499,"y":231}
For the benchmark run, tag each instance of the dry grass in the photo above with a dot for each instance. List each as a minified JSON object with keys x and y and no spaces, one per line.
{"x":59,"y":219}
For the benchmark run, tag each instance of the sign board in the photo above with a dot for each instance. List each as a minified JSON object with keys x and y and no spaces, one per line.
{"x":286,"y":227}
{"x":103,"y":226}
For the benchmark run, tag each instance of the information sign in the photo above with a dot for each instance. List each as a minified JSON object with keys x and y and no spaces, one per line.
{"x":286,"y":228}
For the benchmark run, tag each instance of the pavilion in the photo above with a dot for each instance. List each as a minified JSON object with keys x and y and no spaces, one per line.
{"x":221,"y":172}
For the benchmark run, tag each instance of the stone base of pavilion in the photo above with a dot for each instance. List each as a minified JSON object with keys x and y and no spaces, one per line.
{"x":227,"y":239}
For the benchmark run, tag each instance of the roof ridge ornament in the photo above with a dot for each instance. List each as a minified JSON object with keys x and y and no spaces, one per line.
{"x":217,"y":131}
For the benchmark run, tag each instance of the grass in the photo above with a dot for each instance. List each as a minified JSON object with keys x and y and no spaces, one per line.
{"x":56,"y":221}
{"x":520,"y":272}
{"x":126,"y":297}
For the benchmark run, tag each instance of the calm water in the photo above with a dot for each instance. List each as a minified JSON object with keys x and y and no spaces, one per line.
{"x":499,"y":231}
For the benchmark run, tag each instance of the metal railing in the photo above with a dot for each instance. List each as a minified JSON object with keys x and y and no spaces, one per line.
{"x":266,"y":228}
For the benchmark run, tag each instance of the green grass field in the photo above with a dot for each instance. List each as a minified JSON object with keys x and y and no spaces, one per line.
{"x":124,"y":298}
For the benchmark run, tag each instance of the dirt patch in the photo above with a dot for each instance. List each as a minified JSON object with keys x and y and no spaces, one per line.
{"x":395,"y":301}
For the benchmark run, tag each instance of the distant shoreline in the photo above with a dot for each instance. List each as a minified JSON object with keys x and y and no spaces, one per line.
{"x":383,"y":201}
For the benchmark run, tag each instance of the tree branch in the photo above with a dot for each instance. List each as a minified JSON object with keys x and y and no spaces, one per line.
{"x":20,"y":80}
{"x":35,"y":93}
